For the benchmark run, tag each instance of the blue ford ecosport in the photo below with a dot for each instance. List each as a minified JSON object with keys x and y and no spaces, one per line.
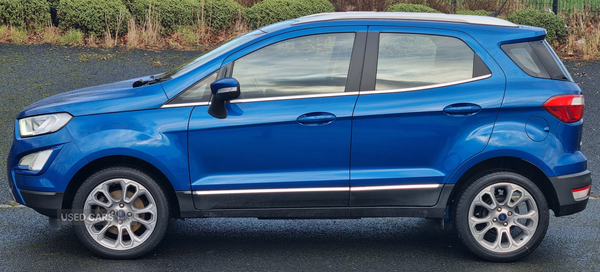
{"x":340,"y":115}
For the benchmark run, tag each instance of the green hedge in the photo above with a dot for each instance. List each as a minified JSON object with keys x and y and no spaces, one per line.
{"x":554,"y":24}
{"x":411,"y":8}
{"x":480,"y":12}
{"x":91,"y":16}
{"x":171,"y":13}
{"x":24,"y":13}
{"x":220,"y":14}
{"x":272,"y":11}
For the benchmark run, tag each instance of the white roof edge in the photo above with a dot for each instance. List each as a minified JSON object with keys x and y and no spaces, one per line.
{"x":434,"y":17}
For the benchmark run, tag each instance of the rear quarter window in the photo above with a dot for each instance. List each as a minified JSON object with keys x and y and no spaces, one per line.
{"x":537,"y":59}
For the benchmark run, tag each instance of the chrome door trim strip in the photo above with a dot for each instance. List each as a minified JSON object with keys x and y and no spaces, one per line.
{"x":318,"y":189}
{"x":280,"y":190}
{"x":394,"y":187}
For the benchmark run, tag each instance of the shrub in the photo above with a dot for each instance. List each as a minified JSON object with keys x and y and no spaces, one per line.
{"x":18,"y":36}
{"x":171,"y":13}
{"x":219,"y":14}
{"x":480,"y":12}
{"x":411,"y":8}
{"x":272,"y":11}
{"x":72,"y":37}
{"x":93,"y":16}
{"x":554,"y":24}
{"x":24,"y":13}
{"x":53,"y":6}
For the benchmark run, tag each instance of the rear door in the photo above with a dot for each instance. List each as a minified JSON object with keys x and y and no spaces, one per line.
{"x":428,"y":102}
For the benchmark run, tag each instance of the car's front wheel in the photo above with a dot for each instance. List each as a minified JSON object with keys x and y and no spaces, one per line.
{"x":125,"y":213}
{"x":501,"y":216}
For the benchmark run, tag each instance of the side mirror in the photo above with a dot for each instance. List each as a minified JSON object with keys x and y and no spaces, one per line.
{"x":223,"y":90}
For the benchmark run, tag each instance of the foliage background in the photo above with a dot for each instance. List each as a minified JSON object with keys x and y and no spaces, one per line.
{"x":204,"y":24}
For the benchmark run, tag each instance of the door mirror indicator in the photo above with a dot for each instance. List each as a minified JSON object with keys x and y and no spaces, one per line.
{"x":223,"y":90}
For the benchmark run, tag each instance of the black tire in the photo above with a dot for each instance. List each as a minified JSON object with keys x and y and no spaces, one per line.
{"x":489,"y":227}
{"x":130,"y":195}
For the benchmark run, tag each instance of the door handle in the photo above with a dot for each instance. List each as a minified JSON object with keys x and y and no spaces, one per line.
{"x":462,"y":109}
{"x":316,"y":118}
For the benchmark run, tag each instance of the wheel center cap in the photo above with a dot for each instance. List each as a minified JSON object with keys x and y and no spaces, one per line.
{"x":502,"y":217}
{"x":121,"y":214}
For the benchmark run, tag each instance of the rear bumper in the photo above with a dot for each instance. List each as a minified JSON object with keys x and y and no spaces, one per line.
{"x":564,"y":185}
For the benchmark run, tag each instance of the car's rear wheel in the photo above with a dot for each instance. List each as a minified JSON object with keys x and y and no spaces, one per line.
{"x":126,"y":213}
{"x":501,"y":216}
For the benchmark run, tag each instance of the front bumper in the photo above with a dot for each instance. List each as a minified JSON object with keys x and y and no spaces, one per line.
{"x":43,"y":190}
{"x":46,"y":203}
{"x":564,"y":185}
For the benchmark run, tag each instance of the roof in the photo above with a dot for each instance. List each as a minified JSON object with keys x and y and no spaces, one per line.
{"x":413,"y":16}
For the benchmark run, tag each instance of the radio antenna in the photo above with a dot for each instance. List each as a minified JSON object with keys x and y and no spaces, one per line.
{"x":495,"y":14}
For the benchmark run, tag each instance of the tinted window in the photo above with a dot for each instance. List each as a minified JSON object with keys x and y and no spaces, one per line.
{"x":199,"y":92}
{"x":536,"y":59}
{"x":414,"y":60}
{"x":315,"y":64}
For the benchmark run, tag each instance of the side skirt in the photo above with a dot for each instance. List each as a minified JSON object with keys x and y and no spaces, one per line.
{"x":187,"y":210}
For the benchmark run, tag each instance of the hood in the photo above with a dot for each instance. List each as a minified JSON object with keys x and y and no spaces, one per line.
{"x":112,"y":97}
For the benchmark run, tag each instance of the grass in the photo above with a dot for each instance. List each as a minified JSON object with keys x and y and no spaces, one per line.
{"x":71,"y":37}
{"x":17,"y":35}
{"x":51,"y":35}
{"x":3,"y":32}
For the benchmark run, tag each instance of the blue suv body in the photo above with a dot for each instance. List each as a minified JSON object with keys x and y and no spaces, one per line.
{"x":342,"y":115}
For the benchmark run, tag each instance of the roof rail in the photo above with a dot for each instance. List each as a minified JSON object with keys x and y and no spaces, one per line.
{"x":413,"y":16}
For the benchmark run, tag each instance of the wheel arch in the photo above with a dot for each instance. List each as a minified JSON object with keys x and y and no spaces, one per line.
{"x":120,"y":160}
{"x":512,"y":164}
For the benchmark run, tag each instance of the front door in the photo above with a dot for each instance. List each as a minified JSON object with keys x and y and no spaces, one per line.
{"x":286,"y":140}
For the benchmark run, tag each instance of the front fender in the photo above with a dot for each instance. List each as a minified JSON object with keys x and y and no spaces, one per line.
{"x":158,"y":137}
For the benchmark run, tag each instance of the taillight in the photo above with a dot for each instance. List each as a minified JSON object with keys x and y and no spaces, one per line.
{"x":567,"y":108}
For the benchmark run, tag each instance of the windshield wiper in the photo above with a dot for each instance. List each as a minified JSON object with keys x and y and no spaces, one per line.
{"x":153,"y":79}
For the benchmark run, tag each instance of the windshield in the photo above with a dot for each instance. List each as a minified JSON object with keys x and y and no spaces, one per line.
{"x":204,"y":58}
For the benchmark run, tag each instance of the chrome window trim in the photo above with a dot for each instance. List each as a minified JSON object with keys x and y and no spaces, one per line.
{"x":191,"y":104}
{"x":426,"y":86}
{"x":249,"y":100}
{"x":291,"y":97}
{"x":318,"y":189}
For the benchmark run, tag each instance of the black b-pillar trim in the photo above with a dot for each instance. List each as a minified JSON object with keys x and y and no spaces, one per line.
{"x":370,"y":66}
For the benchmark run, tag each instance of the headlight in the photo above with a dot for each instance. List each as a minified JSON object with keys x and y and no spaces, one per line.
{"x":42,"y":124}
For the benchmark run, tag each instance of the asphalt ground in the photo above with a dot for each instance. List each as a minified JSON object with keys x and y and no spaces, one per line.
{"x":572,"y":243}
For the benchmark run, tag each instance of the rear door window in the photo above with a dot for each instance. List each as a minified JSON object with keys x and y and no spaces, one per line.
{"x":415,"y":60}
